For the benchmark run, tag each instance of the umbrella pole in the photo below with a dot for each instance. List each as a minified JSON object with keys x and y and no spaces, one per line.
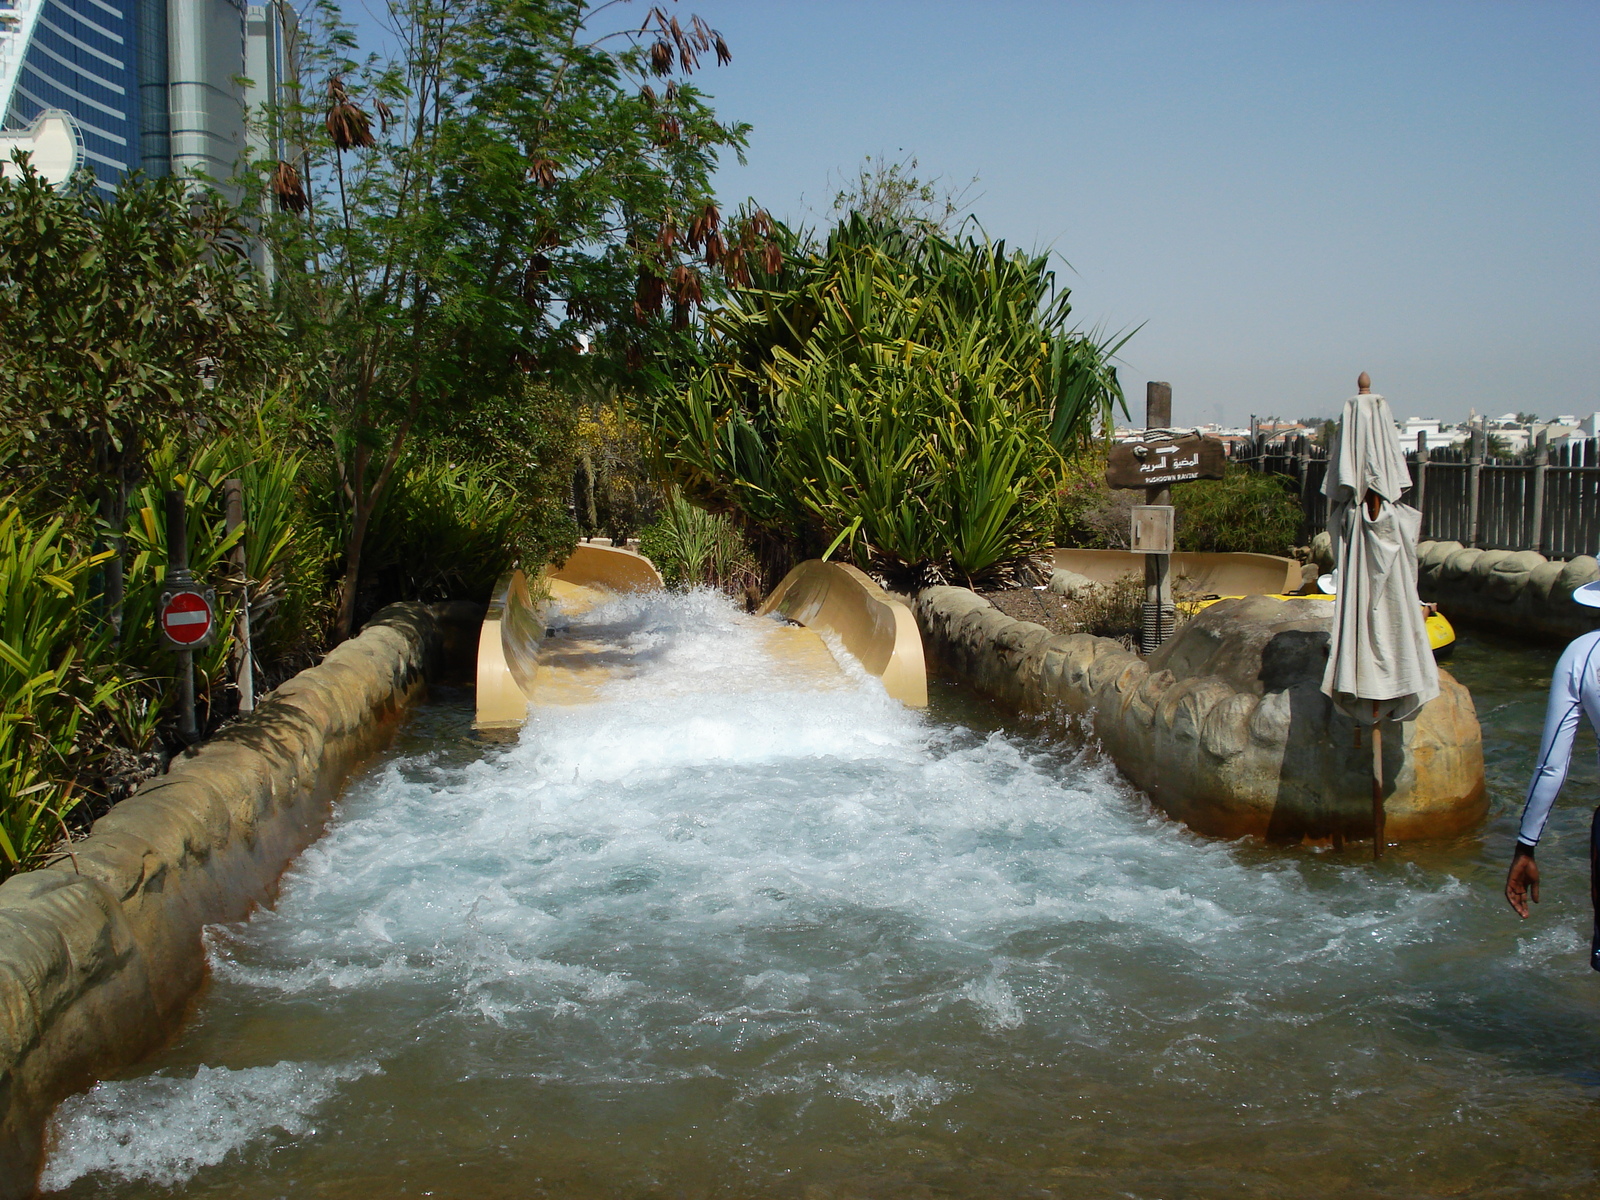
{"x":1377,"y":784}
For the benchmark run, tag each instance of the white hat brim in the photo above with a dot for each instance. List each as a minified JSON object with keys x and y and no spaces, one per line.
{"x":1588,"y":594}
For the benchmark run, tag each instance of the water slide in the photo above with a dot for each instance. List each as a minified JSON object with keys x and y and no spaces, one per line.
{"x":555,"y":641}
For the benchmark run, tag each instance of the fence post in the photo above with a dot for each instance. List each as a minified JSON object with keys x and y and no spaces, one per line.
{"x":1474,"y":470}
{"x":1541,"y":468}
{"x":1301,"y":474}
{"x":1422,"y":478}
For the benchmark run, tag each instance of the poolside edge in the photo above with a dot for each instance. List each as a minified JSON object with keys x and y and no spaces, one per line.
{"x":101,"y":951}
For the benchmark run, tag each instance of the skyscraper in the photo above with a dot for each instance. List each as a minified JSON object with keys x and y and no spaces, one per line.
{"x":149,"y":84}
{"x":76,"y":56}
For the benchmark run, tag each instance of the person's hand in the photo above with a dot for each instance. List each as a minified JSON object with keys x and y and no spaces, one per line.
{"x":1522,"y":881}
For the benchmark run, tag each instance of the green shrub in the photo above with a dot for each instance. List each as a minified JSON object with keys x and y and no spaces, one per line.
{"x":916,"y":392}
{"x":48,"y":639}
{"x":1244,"y":512}
{"x":445,"y":530}
{"x":285,"y":557}
{"x":690,"y":546}
{"x":82,"y":712}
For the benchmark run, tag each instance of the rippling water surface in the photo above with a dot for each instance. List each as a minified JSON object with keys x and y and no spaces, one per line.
{"x":710,"y":939}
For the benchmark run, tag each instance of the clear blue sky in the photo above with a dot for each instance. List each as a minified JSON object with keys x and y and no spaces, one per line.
{"x":1284,"y":194}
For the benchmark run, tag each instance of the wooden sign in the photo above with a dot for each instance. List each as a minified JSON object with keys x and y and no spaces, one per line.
{"x":1157,"y":460}
{"x":1152,"y":529}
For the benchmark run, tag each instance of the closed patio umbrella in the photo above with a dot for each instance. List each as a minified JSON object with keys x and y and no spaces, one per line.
{"x":1380,"y":665}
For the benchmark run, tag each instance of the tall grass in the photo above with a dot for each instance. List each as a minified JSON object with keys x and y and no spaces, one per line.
{"x":690,"y":546}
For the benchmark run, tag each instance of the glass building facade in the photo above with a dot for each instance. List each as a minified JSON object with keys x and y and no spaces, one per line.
{"x":79,"y":56}
{"x":152,"y":85}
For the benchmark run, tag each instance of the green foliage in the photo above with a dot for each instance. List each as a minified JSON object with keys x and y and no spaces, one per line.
{"x":108,"y":304}
{"x":916,"y":389}
{"x":82,"y":709}
{"x":1245,"y":512}
{"x":45,"y":685}
{"x":285,"y":557}
{"x":110,"y":307}
{"x":690,"y":547}
{"x":891,"y":192}
{"x":512,"y":179}
{"x":613,"y":490}
{"x":1088,"y":514}
{"x":444,"y":531}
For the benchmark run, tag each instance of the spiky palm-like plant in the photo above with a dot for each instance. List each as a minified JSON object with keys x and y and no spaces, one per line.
{"x":916,"y":390}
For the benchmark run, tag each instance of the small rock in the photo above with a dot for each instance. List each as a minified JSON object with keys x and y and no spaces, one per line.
{"x":1072,"y":585}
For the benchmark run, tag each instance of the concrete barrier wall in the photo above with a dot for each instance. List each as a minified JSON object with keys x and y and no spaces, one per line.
{"x":1513,"y":591}
{"x":1214,"y":574}
{"x":1225,"y":727}
{"x":100,"y":950}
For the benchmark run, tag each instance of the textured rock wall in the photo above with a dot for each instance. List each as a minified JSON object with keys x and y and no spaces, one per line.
{"x":100,"y":950}
{"x":1225,"y":727}
{"x":1516,"y":591}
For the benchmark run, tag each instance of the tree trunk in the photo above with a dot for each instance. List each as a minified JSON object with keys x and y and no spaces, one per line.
{"x":352,"y":569}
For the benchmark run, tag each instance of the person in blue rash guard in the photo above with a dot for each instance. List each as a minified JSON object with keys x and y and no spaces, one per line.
{"x":1574,"y":692}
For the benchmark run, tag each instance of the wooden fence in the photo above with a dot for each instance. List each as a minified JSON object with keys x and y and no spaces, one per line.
{"x":1548,"y":501}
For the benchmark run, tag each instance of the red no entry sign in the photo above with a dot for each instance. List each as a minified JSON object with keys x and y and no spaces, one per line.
{"x":185,"y":618}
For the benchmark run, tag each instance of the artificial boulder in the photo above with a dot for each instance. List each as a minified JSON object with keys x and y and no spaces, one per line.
{"x":1519,"y":592}
{"x":1225,"y":727}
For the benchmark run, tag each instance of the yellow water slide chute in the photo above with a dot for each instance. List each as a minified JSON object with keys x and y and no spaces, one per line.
{"x":514,"y":627}
{"x":879,"y":631}
{"x":518,"y":663}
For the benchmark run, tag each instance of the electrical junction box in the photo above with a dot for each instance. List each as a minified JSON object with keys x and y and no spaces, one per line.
{"x":1152,"y":529}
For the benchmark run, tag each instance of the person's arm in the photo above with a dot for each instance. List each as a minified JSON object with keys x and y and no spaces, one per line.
{"x":1555,"y":754}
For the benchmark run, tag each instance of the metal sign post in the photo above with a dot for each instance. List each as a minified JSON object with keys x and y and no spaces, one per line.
{"x":185,"y":615}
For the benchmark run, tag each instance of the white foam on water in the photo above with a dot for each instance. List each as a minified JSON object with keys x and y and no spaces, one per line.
{"x":996,"y":1003}
{"x":163,"y":1129}
{"x":718,"y":871}
{"x":720,"y":809}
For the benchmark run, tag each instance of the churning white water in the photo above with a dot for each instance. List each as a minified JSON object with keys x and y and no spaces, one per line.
{"x":724,"y":934}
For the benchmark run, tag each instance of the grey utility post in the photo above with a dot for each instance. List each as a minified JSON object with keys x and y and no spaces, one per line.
{"x":243,"y":658}
{"x":1159,"y":614}
{"x":1475,"y":448}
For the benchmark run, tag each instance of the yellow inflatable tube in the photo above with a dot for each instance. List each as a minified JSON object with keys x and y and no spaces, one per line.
{"x":1441,"y":634}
